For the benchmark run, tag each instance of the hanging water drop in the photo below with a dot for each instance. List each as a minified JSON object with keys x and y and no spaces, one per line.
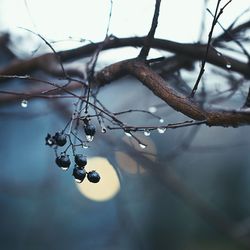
{"x":104,"y":130}
{"x":24,"y":103}
{"x":85,"y":146}
{"x":161,"y":130}
{"x":128,"y":134}
{"x":89,"y":138}
{"x":229,"y":66}
{"x":64,"y":168}
{"x":152,"y":109}
{"x":147,"y":133}
{"x":142,"y":145}
{"x":161,"y":120}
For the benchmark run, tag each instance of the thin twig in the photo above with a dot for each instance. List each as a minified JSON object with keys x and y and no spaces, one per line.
{"x":146,"y":48}
{"x":215,"y":20}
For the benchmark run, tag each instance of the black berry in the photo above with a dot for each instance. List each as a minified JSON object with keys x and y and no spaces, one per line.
{"x":89,"y":129}
{"x":63,"y":162}
{"x":80,"y":160}
{"x":60,"y":139}
{"x":49,"y":140}
{"x":79,"y":174}
{"x":93,"y":176}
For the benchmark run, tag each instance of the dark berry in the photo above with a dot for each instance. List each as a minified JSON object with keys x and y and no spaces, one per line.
{"x":49,"y":140}
{"x":79,"y":174}
{"x":63,"y":162}
{"x":60,"y":139}
{"x":93,"y":176}
{"x":80,"y":160}
{"x":89,"y":129}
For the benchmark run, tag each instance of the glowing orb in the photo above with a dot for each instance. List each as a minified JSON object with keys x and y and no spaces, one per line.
{"x":109,"y":184}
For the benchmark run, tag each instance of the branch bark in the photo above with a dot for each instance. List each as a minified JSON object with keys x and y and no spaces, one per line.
{"x":173,"y":98}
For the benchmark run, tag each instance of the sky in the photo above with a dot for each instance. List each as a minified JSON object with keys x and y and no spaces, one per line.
{"x":87,"y":19}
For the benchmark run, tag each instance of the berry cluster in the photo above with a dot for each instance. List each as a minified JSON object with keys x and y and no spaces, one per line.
{"x":63,"y":161}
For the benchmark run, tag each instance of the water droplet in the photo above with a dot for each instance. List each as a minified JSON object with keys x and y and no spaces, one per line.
{"x":89,"y":138}
{"x":104,"y":130}
{"x":161,"y":130}
{"x":64,"y":168}
{"x":142,"y":145}
{"x":78,"y":180}
{"x":147,"y":133}
{"x":161,"y":120}
{"x":229,"y":66}
{"x":85,"y":146}
{"x":152,"y":109}
{"x":50,"y":142}
{"x":128,"y":134}
{"x":24,"y":104}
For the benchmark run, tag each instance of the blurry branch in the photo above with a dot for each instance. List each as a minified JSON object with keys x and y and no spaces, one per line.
{"x":8,"y":97}
{"x":4,"y":41}
{"x":234,"y":32}
{"x":192,"y":51}
{"x":231,"y":38}
{"x":170,"y":179}
{"x":247,"y":103}
{"x":52,"y":63}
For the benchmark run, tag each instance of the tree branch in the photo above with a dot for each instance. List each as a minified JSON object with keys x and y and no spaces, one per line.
{"x":172,"y":97}
{"x":193,"y":51}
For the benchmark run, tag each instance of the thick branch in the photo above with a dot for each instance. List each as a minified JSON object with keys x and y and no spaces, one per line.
{"x":172,"y":97}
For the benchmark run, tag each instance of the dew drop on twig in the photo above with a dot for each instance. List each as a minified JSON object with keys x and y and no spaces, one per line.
{"x":161,"y":130}
{"x":128,"y":134}
{"x":24,"y":103}
{"x":147,"y":133}
{"x":142,"y":145}
{"x":104,"y":130}
{"x":229,"y":66}
{"x":85,"y":146}
{"x":152,"y":109}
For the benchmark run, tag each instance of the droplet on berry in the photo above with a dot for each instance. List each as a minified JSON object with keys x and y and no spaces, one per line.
{"x":161,"y":130}
{"x":63,"y":162}
{"x":89,"y":129}
{"x":93,"y":176}
{"x":80,"y":160}
{"x":60,"y":139}
{"x":89,"y":138}
{"x":49,"y":140}
{"x":24,"y":104}
{"x":79,"y":174}
{"x":147,"y":133}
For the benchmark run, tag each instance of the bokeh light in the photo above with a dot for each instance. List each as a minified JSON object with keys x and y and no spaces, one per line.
{"x":109,"y":184}
{"x":128,"y":162}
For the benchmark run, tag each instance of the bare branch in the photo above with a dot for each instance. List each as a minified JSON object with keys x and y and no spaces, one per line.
{"x":145,"y":49}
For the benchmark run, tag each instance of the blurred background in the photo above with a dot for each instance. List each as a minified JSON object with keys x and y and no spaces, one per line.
{"x":189,"y":189}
